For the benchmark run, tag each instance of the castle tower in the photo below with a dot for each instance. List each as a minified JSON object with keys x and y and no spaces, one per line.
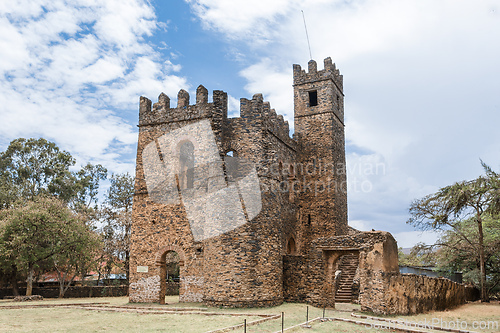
{"x":319,"y":130}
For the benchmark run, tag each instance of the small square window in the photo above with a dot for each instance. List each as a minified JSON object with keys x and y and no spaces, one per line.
{"x":313,"y":98}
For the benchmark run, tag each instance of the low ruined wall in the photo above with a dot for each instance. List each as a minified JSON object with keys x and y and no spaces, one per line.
{"x":410,"y":294}
{"x":76,"y":291}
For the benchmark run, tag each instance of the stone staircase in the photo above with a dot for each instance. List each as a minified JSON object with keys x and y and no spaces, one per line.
{"x":348,"y":267}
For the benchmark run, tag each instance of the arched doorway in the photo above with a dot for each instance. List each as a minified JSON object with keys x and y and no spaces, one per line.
{"x":172,"y":267}
{"x":170,"y":261}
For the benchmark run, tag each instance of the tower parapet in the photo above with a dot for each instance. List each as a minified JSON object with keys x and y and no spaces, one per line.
{"x":318,"y":91}
{"x":330,"y":72}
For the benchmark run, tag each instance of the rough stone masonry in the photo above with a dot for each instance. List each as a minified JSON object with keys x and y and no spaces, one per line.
{"x":256,"y":217}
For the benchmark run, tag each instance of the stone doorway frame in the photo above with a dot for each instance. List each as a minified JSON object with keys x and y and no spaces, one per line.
{"x":161,"y":264}
{"x":331,"y":256}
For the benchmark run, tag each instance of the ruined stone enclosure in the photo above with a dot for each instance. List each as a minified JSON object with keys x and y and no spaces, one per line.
{"x":255,"y":216}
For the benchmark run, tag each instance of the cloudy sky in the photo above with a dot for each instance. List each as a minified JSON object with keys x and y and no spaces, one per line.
{"x":421,"y":79}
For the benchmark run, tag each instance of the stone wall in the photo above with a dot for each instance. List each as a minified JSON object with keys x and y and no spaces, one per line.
{"x":75,"y":291}
{"x":410,"y":294}
{"x":294,"y":278}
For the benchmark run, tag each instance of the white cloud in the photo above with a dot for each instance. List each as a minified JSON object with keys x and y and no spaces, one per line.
{"x":124,"y":23}
{"x":273,"y":81}
{"x":359,"y":225}
{"x":240,"y":19}
{"x":71,"y":68}
{"x":410,"y":238}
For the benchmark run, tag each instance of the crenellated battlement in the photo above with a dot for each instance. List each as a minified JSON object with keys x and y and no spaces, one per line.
{"x":255,"y":113}
{"x":161,"y":112}
{"x":330,"y":71}
{"x":258,"y":113}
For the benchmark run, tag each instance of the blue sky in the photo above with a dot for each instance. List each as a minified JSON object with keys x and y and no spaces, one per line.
{"x":421,"y":80}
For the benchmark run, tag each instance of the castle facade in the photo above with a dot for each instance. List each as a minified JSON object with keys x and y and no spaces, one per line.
{"x":256,"y":217}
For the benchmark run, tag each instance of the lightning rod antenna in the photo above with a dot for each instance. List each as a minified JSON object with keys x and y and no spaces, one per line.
{"x":307,"y":35}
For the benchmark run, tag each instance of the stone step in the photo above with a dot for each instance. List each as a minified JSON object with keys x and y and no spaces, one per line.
{"x":345,"y":283}
{"x":348,"y":268}
{"x":345,"y":274}
{"x":343,"y":296}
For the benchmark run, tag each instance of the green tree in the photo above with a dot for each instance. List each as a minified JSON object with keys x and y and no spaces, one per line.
{"x":119,"y":215}
{"x":455,"y":253}
{"x":111,"y":249}
{"x":8,"y":270}
{"x":38,"y":231}
{"x":30,"y":167}
{"x":78,"y":258}
{"x":86,"y":188}
{"x":446,"y":209}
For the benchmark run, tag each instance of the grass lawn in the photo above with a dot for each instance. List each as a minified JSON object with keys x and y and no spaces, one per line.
{"x":60,"y":319}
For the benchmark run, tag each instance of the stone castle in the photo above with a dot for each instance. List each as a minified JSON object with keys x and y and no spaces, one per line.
{"x":256,"y":217}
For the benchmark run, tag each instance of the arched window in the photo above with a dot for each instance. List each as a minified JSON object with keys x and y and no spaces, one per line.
{"x":291,"y":248}
{"x":186,"y":161}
